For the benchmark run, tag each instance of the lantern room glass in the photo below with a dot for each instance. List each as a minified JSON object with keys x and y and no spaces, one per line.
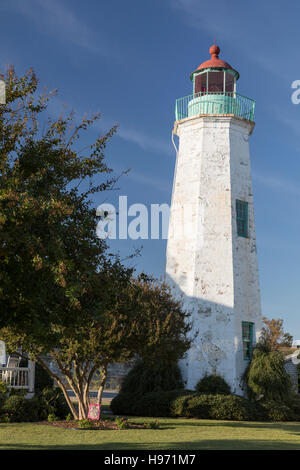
{"x":214,"y":82}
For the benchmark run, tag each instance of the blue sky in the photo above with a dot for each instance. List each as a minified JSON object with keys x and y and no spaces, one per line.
{"x":131,"y":59}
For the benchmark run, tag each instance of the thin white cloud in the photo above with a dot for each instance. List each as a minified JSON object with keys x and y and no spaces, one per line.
{"x":58,"y":20}
{"x":145,"y":141}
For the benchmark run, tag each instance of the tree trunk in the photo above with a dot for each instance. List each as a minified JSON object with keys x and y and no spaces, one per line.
{"x":102,"y":383}
{"x":62,"y":387}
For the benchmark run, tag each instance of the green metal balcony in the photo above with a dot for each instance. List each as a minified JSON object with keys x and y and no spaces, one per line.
{"x":215,"y":103}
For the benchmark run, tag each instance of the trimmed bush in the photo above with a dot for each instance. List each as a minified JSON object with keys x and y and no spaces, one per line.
{"x":231,"y":407}
{"x":152,"y":404}
{"x":143,"y":378}
{"x":179,"y":406}
{"x":213,"y":384}
{"x":276,"y":411}
{"x":188,"y":404}
{"x":184,"y":403}
{"x":224,"y":407}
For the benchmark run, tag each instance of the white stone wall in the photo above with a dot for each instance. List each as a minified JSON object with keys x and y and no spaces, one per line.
{"x":214,"y":269}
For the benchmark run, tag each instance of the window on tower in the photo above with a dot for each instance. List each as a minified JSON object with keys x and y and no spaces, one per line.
{"x":229,"y":82}
{"x":201,"y":83}
{"x":216,"y":82}
{"x":247,"y":339}
{"x":242,"y":218}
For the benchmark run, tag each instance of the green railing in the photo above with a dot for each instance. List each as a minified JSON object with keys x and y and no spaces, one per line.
{"x":215,"y":103}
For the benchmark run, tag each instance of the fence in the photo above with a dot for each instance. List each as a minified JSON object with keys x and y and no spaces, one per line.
{"x":215,"y":103}
{"x":16,"y":377}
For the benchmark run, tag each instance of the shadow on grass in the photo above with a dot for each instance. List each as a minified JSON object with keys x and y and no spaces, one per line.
{"x":182,"y":422}
{"x":218,"y":444}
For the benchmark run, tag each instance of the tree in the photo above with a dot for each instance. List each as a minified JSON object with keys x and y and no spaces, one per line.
{"x":61,"y":292}
{"x":273,"y":335}
{"x":49,"y":250}
{"x":266,"y":376}
{"x":133,"y":318}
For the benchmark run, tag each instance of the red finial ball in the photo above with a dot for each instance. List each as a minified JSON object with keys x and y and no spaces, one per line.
{"x":214,"y":50}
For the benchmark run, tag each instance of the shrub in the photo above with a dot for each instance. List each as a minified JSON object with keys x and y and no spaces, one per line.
{"x":54,"y":402}
{"x":224,"y":407}
{"x":188,"y":404}
{"x":4,"y":418}
{"x":52,"y":418}
{"x":231,"y":407}
{"x":179,"y":404}
{"x":276,"y":411}
{"x":85,"y":423}
{"x":122,"y":423}
{"x":213,"y":384}
{"x":19,"y":409}
{"x":50,"y":402}
{"x":151,"y":404}
{"x":143,"y":378}
{"x":294,"y":404}
{"x":3,"y":394}
{"x":123,"y":403}
{"x":267,"y":377}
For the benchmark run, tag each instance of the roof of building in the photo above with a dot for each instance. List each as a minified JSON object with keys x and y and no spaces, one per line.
{"x":215,"y":63}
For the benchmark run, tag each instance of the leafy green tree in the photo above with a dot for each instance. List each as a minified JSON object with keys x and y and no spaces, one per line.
{"x":61,"y":293}
{"x":266,"y":376}
{"x":49,"y":250}
{"x":132,"y":318}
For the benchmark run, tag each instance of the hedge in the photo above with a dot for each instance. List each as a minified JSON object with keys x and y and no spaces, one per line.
{"x":189,"y":404}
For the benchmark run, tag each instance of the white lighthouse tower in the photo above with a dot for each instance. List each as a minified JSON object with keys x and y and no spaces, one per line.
{"x":211,"y":251}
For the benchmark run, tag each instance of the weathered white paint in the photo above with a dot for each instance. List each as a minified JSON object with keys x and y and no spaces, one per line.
{"x":215,"y":270}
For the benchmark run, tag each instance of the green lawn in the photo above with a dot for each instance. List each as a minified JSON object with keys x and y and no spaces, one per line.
{"x":174,"y":434}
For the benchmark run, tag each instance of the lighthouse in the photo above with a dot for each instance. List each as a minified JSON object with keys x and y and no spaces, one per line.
{"x":211,"y":251}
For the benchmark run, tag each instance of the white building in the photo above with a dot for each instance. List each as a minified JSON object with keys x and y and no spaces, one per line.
{"x":211,"y":251}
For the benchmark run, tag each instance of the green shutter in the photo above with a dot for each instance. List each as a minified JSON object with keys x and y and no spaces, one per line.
{"x":247,"y":339}
{"x":242,"y":218}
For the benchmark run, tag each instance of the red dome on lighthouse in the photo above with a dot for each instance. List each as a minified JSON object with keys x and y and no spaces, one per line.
{"x":215,"y":63}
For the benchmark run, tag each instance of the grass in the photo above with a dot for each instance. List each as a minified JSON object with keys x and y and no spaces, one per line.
{"x":180,"y":434}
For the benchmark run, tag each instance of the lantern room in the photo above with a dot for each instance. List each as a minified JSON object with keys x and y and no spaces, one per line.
{"x":214,"y":92}
{"x":214,"y":76}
